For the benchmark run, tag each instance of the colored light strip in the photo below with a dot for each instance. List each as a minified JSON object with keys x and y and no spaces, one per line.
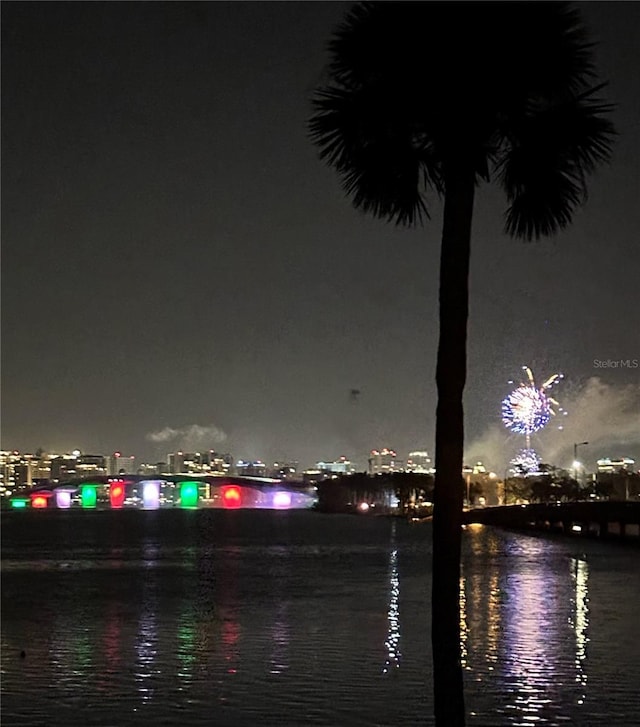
{"x":116,"y":495}
{"x":63,"y":499}
{"x":89,"y":496}
{"x":151,"y":495}
{"x":231,"y":497}
{"x":189,"y":494}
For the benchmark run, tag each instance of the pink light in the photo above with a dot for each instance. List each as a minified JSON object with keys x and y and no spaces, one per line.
{"x":282,"y":499}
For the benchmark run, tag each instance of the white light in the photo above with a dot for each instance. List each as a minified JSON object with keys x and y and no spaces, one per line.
{"x":576,"y":528}
{"x":364,"y":506}
{"x":63,"y":499}
{"x":151,"y":495}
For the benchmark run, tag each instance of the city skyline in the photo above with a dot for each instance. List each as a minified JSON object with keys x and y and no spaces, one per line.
{"x":178,"y":263}
{"x":374,"y":461}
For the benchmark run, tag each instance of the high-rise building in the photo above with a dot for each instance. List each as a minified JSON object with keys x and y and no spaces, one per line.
{"x":63,"y":467}
{"x":218,"y":463}
{"x":382,"y":460}
{"x":621,"y":464}
{"x":285,"y":470}
{"x":256,"y":468}
{"x":340,"y":466}
{"x":91,"y":464}
{"x":420,"y":463}
{"x":120,"y":464}
{"x":8,"y":460}
{"x":145,"y":468}
{"x":175,"y":462}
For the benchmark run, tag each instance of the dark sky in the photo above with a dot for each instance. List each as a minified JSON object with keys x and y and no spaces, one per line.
{"x":174,"y":254}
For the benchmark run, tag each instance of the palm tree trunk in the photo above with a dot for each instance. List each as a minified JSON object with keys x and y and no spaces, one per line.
{"x":448,"y":490}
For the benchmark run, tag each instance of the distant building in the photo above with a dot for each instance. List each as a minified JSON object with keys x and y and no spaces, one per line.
{"x":256,"y":468}
{"x":217,"y":463}
{"x":91,"y":464}
{"x":146,"y":468}
{"x":8,"y":460}
{"x":340,"y":466}
{"x":199,"y":463}
{"x":312,"y":476}
{"x":420,"y":463}
{"x":119,"y":464}
{"x":63,"y":467}
{"x":23,"y":470}
{"x":285,"y":470}
{"x":383,"y":460}
{"x":175,"y":462}
{"x":622,"y":464}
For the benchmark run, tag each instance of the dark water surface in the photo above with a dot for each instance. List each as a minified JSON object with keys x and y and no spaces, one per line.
{"x":234,"y":618}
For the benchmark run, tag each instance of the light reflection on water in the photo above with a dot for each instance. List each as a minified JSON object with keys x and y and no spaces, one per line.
{"x":287,"y":621}
{"x":392,"y":642}
{"x":580,"y":621}
{"x":524,"y":619}
{"x":280,"y":636}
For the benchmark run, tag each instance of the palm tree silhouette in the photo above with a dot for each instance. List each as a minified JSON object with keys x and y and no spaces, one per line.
{"x":436,"y":97}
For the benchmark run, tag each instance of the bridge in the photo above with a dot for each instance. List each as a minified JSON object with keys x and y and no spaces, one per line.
{"x":599,"y":519}
{"x":165,"y":491}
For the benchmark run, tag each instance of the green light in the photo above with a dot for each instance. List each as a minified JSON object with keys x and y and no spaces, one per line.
{"x":19,"y":503}
{"x":189,"y":494}
{"x":89,"y":496}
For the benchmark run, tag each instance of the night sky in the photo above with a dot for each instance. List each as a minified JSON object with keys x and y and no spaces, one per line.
{"x":175,"y":254}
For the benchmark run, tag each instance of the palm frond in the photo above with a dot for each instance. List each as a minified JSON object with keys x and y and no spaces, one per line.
{"x":417,"y":86}
{"x":369,"y":140}
{"x":549,"y":154}
{"x":547,"y":49}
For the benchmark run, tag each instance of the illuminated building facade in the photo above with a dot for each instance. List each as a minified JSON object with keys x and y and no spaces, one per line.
{"x":420,"y":463}
{"x":621,"y":464}
{"x":63,"y":467}
{"x":91,"y":464}
{"x":119,"y":464}
{"x":341,"y":466}
{"x":285,"y":470}
{"x":251,"y":469}
{"x":175,"y":462}
{"x":383,"y":460}
{"x":195,"y":463}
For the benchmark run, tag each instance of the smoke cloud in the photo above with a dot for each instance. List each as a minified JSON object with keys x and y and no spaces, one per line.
{"x":190,"y":438}
{"x":604,"y":415}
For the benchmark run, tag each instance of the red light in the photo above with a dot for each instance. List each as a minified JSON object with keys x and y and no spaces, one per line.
{"x":231,"y":496}
{"x":116,"y":494}
{"x":39,"y":501}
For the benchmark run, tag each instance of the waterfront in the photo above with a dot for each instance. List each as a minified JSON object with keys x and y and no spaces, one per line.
{"x":291,"y":618}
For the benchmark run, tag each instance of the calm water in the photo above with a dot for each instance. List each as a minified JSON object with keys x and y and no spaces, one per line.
{"x":295,"y":618}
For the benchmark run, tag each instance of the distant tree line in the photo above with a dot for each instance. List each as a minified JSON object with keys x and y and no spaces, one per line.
{"x":553,"y":485}
{"x":411,"y":494}
{"x":399,"y":492}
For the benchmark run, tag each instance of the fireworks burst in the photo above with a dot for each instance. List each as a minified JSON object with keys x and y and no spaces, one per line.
{"x":526,"y":462}
{"x":528,"y":408}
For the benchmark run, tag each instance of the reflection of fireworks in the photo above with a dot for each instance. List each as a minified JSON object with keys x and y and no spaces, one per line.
{"x":526,"y":462}
{"x":528,"y":408}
